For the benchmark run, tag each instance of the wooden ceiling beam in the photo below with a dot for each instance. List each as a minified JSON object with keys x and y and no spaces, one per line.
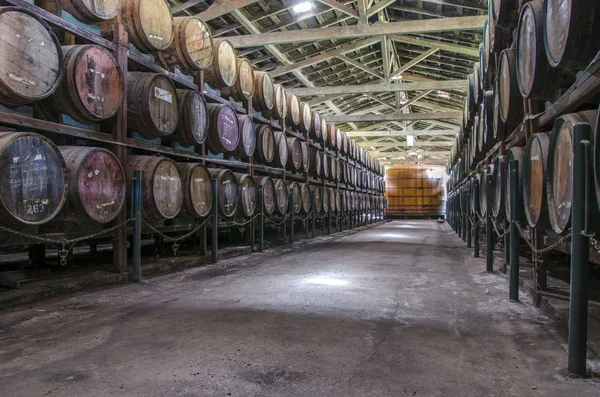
{"x":395,"y":117}
{"x":340,"y":7}
{"x":470,"y":51}
{"x":385,"y":87}
{"x":391,"y":133}
{"x":415,"y":61}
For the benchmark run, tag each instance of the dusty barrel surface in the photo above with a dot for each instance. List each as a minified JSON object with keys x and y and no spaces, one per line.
{"x":324,"y":131}
{"x":572,"y":28}
{"x":281,"y":150}
{"x":475,"y":188}
{"x":96,"y":184}
{"x":294,"y":158}
{"x":293,"y":110}
{"x":265,"y":143}
{"x":489,"y":170}
{"x":247,"y":191}
{"x":149,"y":24}
{"x":315,"y":128}
{"x":505,"y":12}
{"x":279,"y":110}
{"x":223,"y":132}
{"x":34,"y":182}
{"x":88,"y":11}
{"x":514,"y":154}
{"x":316,"y":191}
{"x":264,"y":92}
{"x":510,"y":99}
{"x":535,"y":172}
{"x":305,"y":117}
{"x":152,"y":106}
{"x":243,"y":89}
{"x":192,"y":128}
{"x":192,"y":46}
{"x":25,"y":37}
{"x":268,"y":193}
{"x":222,"y":72}
{"x":305,"y":197}
{"x":92,"y":87}
{"x":227,"y":188}
{"x":295,"y":187}
{"x":560,"y":168}
{"x":316,"y":167}
{"x":325,"y":200}
{"x":281,"y":197}
{"x":247,"y":143}
{"x":197,"y":191}
{"x":161,"y":183}
{"x":305,"y":156}
{"x":499,"y":195}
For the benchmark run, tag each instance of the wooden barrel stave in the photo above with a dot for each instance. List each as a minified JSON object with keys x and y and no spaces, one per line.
{"x":505,"y":12}
{"x":149,"y":24}
{"x":265,"y":143}
{"x":243,"y":88}
{"x":305,"y":156}
{"x":269,"y":201}
{"x":192,"y":128}
{"x":535,"y":173}
{"x":247,"y":191}
{"x":224,"y":129}
{"x":294,"y":158}
{"x":305,"y":118}
{"x":281,"y":197}
{"x":227,"y":191}
{"x":293,"y":110}
{"x":295,"y":187}
{"x":315,"y":128}
{"x":192,"y":47}
{"x":318,"y":198}
{"x":197,"y":190}
{"x":264,"y":92}
{"x":281,"y":150}
{"x":222,"y":72}
{"x":316,"y":167}
{"x":279,"y":110}
{"x":85,"y":10}
{"x":247,"y":142}
{"x":325,"y":200}
{"x":499,"y":195}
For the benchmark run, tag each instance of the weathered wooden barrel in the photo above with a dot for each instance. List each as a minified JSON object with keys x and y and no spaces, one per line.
{"x":489,"y":170}
{"x":510,"y":99}
{"x":500,"y":38}
{"x":152,"y":106}
{"x":560,"y":168}
{"x":536,"y":78}
{"x":477,"y":84}
{"x":338,"y":139}
{"x":247,"y":195}
{"x":316,"y":167}
{"x":279,"y":110}
{"x":192,"y":46}
{"x":268,"y":193}
{"x":324,"y":131}
{"x":315,"y":128}
{"x":326,"y":163}
{"x":505,"y":12}
{"x":325,"y":200}
{"x":264,"y":92}
{"x":475,"y":189}
{"x":305,"y":117}
{"x":344,"y":148}
{"x":305,"y":197}
{"x":92,"y":88}
{"x":96,"y":185}
{"x":500,"y":128}
{"x":149,"y":24}
{"x":247,"y":143}
{"x":332,"y":166}
{"x":227,"y":191}
{"x":197,"y":190}
{"x":192,"y":128}
{"x":517,"y":154}
{"x":265,"y":143}
{"x":295,"y":186}
{"x":499,"y":195}
{"x":535,"y":172}
{"x":281,"y":197}
{"x":318,"y":198}
{"x":331,"y":139}
{"x":305,"y":157}
{"x":222,"y":72}
{"x":34,"y":181}
{"x":224,"y":129}
{"x":281,"y":150}
{"x":331,"y":199}
{"x":571,"y":32}
{"x":293,"y":110}
{"x":161,"y":184}
{"x":472,"y":105}
{"x":25,"y":37}
{"x":338,"y":169}
{"x":85,"y":10}
{"x":488,"y":123}
{"x":243,"y":88}
{"x":294,"y":158}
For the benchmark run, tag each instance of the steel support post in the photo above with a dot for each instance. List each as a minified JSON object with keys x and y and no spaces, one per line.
{"x":261,"y":219}
{"x":513,"y":169}
{"x":469,"y":225}
{"x":291,"y":216}
{"x":137,"y":195}
{"x":489,"y":230}
{"x":215,"y":222}
{"x":313,"y":206}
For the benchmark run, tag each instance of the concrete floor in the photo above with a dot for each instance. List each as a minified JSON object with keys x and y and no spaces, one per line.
{"x":399,"y":310}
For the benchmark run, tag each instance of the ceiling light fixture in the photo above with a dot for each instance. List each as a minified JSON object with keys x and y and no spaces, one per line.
{"x":303,"y":7}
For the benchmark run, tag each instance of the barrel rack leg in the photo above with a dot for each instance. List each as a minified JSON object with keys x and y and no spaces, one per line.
{"x":513,"y":169}
{"x":489,"y":231}
{"x":341,"y":219}
{"x":292,"y":216}
{"x":313,"y":207}
{"x":580,"y":245}
{"x":465,"y":216}
{"x":137,"y":195}
{"x":261,"y":219}
{"x":469,"y":225}
{"x":329,"y":219}
{"x":215,"y":222}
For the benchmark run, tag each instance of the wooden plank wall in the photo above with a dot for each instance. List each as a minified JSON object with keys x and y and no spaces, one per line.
{"x":414,"y":190}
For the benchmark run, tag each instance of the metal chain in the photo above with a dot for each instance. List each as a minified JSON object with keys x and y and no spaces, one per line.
{"x":285,"y":218}
{"x":246,"y":222}
{"x":176,"y":240}
{"x":540,"y":252}
{"x":593,"y":241}
{"x":307,"y":216}
{"x":500,"y":235}
{"x":64,"y":252}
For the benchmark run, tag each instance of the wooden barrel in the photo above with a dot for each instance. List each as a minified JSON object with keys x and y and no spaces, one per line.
{"x":315,"y":128}
{"x":161,"y":183}
{"x":472,"y":105}
{"x":305,"y":197}
{"x":264,"y":92}
{"x":247,"y":195}
{"x":243,"y":88}
{"x":33,"y":66}
{"x":511,"y":101}
{"x":318,"y":198}
{"x":331,"y":199}
{"x":280,"y":158}
{"x":197,"y":190}
{"x":331,"y":141}
{"x":86,"y":94}
{"x":517,"y":154}
{"x":326,"y":163}
{"x":305,"y":117}
{"x":475,"y":189}
{"x":152,"y":107}
{"x":279,"y":110}
{"x":499,"y":194}
{"x":265,"y":143}
{"x":534,"y":180}
{"x":222,"y":72}
{"x":536,"y":78}
{"x":268,"y":193}
{"x":338,"y":139}
{"x":560,"y":168}
{"x":281,"y":197}
{"x":324,"y":131}
{"x":295,"y":186}
{"x":505,"y":12}
{"x":85,"y":10}
{"x":192,"y":128}
{"x":500,"y":128}
{"x":325,"y":199}
{"x":293,"y":110}
{"x":338,"y":169}
{"x":294,"y":158}
{"x":149,"y":24}
{"x":192,"y":46}
{"x":572,"y":28}
{"x":500,"y":38}
{"x":96,"y":185}
{"x":305,"y":157}
{"x":247,"y":143}
{"x":489,"y":170}
{"x":224,"y":129}
{"x":477,"y":84}
{"x":34,"y":182}
{"x":227,"y":191}
{"x":332,"y":166}
{"x":316,"y":166}
{"x":344,"y":144}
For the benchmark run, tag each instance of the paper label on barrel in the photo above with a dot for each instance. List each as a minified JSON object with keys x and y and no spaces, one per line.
{"x":163,"y":95}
